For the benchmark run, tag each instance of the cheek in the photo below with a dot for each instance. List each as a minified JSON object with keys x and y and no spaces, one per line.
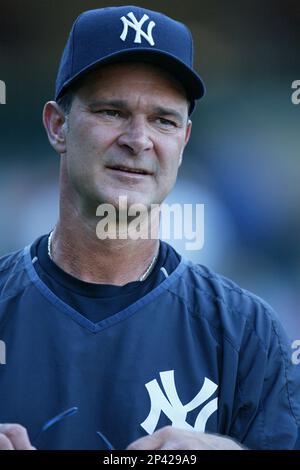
{"x":87,"y":144}
{"x":167,"y":173}
{"x":169,"y":158}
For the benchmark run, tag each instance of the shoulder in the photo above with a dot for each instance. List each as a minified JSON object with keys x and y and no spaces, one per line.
{"x":252,"y":328}
{"x":8,"y":261}
{"x":11,"y":269}
{"x":226,"y":306}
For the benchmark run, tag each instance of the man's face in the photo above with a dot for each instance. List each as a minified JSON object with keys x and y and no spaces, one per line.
{"x":126,"y":132}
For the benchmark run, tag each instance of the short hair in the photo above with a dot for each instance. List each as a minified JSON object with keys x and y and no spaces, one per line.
{"x":65,"y":101}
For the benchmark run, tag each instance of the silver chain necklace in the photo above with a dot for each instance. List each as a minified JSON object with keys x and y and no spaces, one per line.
{"x":142,"y":278}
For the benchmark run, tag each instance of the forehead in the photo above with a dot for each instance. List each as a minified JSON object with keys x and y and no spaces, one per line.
{"x":132,"y":79}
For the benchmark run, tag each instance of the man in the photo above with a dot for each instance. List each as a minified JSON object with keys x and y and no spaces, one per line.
{"x":140,"y":348}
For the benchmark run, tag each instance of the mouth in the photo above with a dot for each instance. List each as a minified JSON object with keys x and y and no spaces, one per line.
{"x":125,"y":169}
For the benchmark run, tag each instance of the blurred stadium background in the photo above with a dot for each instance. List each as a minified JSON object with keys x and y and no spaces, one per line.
{"x":243,"y":158}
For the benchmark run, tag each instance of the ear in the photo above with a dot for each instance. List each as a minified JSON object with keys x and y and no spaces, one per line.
{"x":55,"y":124}
{"x":186,"y":139}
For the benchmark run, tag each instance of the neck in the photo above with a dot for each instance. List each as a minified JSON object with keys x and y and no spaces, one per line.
{"x":77,"y":250}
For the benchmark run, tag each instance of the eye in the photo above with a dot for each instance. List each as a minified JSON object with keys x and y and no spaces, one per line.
{"x":109,"y":112}
{"x":166,"y":122}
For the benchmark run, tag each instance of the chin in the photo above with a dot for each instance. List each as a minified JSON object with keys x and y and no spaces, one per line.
{"x":125,"y":198}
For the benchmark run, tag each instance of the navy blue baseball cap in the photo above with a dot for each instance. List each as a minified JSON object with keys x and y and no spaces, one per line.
{"x":129,"y":33}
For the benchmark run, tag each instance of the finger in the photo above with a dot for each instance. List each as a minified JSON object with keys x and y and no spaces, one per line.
{"x":145,"y":443}
{"x":17,"y":435}
{"x":181,"y":445}
{"x":185,"y":444}
{"x":5,"y":443}
{"x":169,"y":445}
{"x":153,"y":442}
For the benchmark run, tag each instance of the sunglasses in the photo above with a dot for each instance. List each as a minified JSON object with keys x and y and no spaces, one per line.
{"x":58,"y":418}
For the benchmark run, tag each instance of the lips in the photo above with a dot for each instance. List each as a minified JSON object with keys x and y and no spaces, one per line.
{"x":126,"y":169}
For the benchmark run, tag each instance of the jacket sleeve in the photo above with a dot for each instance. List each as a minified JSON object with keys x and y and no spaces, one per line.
{"x":268,"y":393}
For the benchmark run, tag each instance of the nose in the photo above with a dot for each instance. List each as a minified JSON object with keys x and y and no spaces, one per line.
{"x":136,"y":136}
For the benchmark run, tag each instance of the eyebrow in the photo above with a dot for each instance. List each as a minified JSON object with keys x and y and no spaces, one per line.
{"x":123,"y":104}
{"x":162,"y":111}
{"x":114,"y":103}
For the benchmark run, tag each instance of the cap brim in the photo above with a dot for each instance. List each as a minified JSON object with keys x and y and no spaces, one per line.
{"x":190,"y":80}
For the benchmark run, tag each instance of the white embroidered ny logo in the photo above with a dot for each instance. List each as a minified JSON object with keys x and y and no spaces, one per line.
{"x":137,"y":26}
{"x":170,"y":404}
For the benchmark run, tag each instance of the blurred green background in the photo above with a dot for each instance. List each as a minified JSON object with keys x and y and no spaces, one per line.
{"x":242,"y":161}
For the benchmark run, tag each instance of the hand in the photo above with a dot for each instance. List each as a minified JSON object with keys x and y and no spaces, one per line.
{"x":170,"y":438}
{"x":14,"y":437}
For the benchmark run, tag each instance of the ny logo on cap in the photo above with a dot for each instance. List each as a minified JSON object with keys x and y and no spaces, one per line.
{"x":137,"y":26}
